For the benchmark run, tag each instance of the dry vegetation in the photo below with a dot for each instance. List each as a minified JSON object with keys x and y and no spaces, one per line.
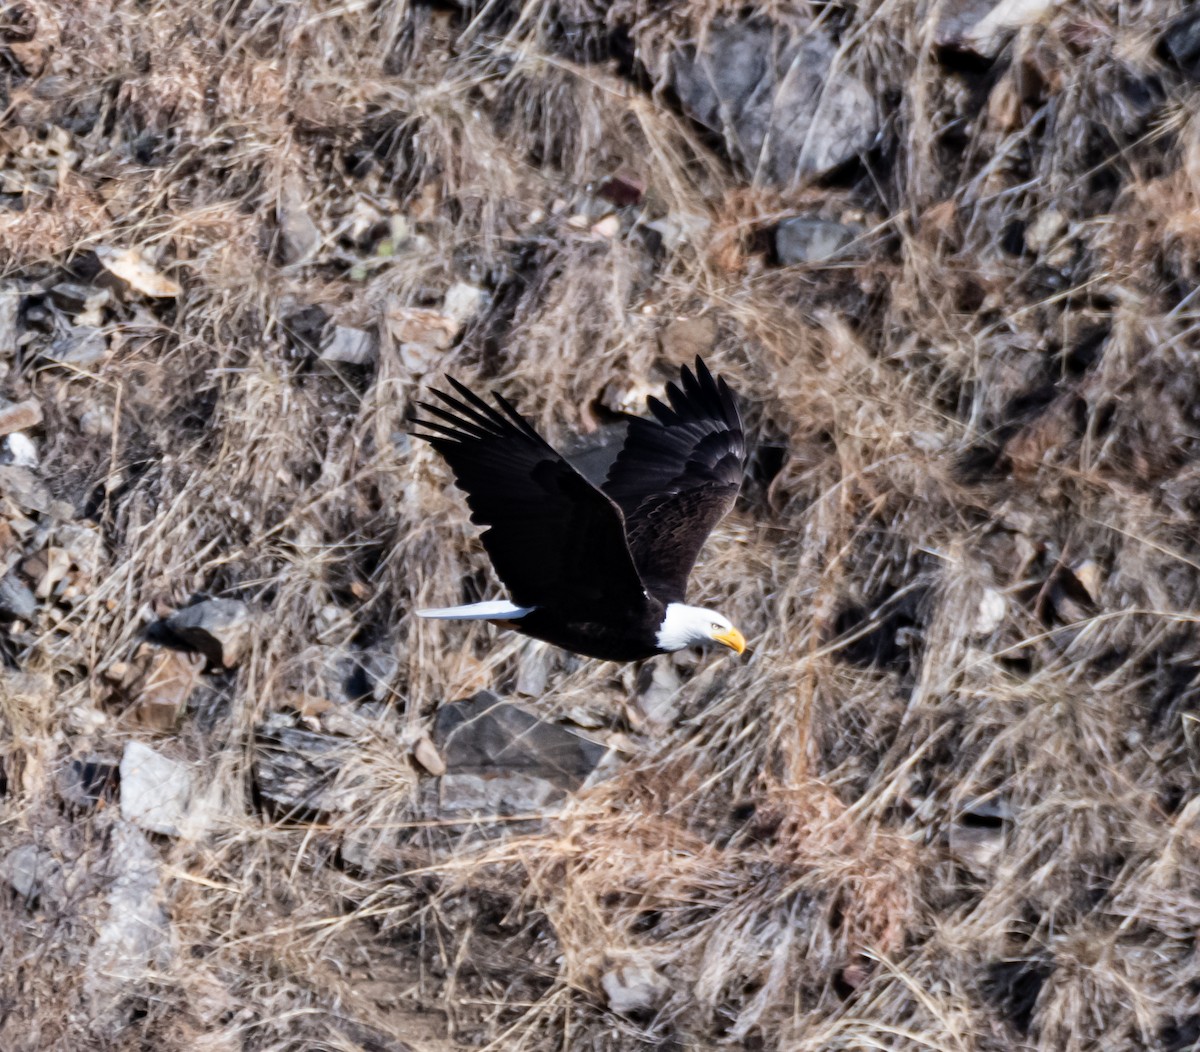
{"x":948,"y":803}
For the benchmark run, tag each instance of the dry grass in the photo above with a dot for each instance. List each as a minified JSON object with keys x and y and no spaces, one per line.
{"x":971,"y":577}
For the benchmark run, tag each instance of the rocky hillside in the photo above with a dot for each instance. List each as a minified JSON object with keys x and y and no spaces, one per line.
{"x":947,"y":253}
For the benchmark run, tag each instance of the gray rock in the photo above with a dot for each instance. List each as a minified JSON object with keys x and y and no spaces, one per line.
{"x":155,"y":791}
{"x":17,"y":602}
{"x":301,"y":237}
{"x":346,"y":675}
{"x":10,"y":303}
{"x":350,"y":346}
{"x":218,"y":628}
{"x":298,"y":770}
{"x":29,"y":493}
{"x":19,"y":416}
{"x":86,"y":781}
{"x":634,"y":987}
{"x":1180,"y":45}
{"x":503,"y":759}
{"x":658,"y":697}
{"x":19,"y":449}
{"x":79,"y":345}
{"x":806,"y":239}
{"x":533,"y":669}
{"x":76,"y":298}
{"x":134,"y":938}
{"x":983,"y":27}
{"x":32,"y":872}
{"x":786,"y":112}
{"x":955,"y":19}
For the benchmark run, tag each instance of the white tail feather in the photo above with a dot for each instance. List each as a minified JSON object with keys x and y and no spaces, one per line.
{"x":492,"y":610}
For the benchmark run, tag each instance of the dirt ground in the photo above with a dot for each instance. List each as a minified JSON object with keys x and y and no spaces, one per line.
{"x":947,"y":254}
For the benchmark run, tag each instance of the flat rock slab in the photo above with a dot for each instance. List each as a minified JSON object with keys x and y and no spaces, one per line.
{"x":155,"y":790}
{"x":808,"y":239}
{"x":503,"y":759}
{"x":298,"y":770}
{"x":786,"y":106}
{"x":218,"y":628}
{"x":134,"y":938}
{"x":31,"y":871}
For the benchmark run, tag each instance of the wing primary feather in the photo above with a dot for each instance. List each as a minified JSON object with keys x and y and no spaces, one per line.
{"x":464,"y":410}
{"x":519,"y":420}
{"x":445,"y":432}
{"x":469,"y":427}
{"x":488,"y":411}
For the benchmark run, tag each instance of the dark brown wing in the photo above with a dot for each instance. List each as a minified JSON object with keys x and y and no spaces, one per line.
{"x":677,"y":476}
{"x":555,"y":540}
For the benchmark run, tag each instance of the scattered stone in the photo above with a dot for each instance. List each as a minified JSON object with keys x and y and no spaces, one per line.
{"x":78,"y":299}
{"x":991,"y":613}
{"x":428,"y":328}
{"x":297,"y":769}
{"x":533,"y":669}
{"x":19,"y":416}
{"x":162,"y":686}
{"x":1091,"y":577}
{"x":84,"y":546}
{"x":680,"y":229}
{"x":987,"y":36}
{"x":10,"y":304}
{"x":785,"y":108}
{"x":85,"y":782}
{"x":807,"y":239}
{"x":1179,"y":46}
{"x":350,"y":346}
{"x":426,"y":754}
{"x":463,"y":301}
{"x":17,"y":602}
{"x":955,"y":19}
{"x":503,"y":759}
{"x":32,"y":871}
{"x":20,"y":450}
{"x":21,"y":486}
{"x":218,"y":628}
{"x":45,"y":569}
{"x":634,"y":987}
{"x":1045,"y":230}
{"x":307,"y":327}
{"x":608,"y":227}
{"x":659,"y":684}
{"x":301,"y":237}
{"x":134,"y":939}
{"x":132,"y":268}
{"x":97,"y":421}
{"x":345,"y":676}
{"x":80,"y":345}
{"x":155,"y":791}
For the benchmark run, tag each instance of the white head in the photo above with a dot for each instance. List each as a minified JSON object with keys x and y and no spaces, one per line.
{"x":687,"y":626}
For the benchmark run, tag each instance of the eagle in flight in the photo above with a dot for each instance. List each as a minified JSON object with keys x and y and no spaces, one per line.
{"x":600,"y":571}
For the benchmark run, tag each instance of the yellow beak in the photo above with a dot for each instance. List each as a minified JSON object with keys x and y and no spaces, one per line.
{"x":732,"y":639}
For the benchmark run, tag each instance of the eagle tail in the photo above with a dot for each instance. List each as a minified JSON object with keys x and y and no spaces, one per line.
{"x":492,"y":610}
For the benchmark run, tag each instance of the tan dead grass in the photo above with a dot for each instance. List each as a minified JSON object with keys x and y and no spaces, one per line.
{"x":787,"y":856}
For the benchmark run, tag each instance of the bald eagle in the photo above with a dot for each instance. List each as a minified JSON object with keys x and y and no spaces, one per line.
{"x":601,"y":571}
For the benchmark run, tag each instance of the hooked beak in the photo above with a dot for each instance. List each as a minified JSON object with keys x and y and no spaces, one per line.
{"x":732,"y":639}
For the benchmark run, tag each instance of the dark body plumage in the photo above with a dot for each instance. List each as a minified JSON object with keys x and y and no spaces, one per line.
{"x":599,"y":565}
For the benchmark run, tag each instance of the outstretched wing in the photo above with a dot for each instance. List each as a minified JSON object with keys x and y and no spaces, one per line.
{"x":555,"y":540}
{"x":677,"y":476}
